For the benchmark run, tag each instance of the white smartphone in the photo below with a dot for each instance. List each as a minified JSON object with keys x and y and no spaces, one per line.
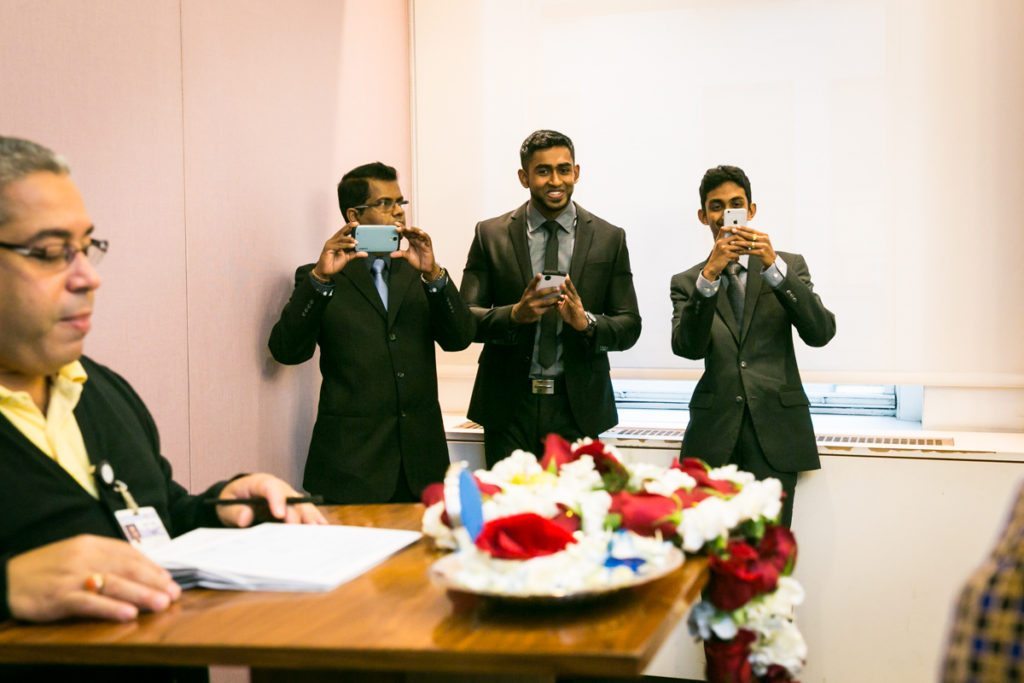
{"x":551,"y":278}
{"x":734,"y":218}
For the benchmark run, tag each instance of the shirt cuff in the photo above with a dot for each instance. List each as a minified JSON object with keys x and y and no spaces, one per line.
{"x":323,"y":289}
{"x":775,"y":273}
{"x":438,"y":284}
{"x":706,"y":288}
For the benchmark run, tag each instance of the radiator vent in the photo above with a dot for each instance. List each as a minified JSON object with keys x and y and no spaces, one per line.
{"x":864,"y":440}
{"x":615,"y":432}
{"x":645,"y":433}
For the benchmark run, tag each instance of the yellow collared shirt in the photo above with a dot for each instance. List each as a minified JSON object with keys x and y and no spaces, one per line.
{"x":56,"y":433}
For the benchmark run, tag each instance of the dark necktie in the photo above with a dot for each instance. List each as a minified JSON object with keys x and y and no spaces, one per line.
{"x":377,"y":268}
{"x":736,"y":291}
{"x":548,"y":349}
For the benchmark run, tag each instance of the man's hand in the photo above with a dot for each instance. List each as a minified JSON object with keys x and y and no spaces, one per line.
{"x":337,"y":252}
{"x":49,"y":583}
{"x":534,"y":303}
{"x":274,"y":491}
{"x":756,"y":243}
{"x":570,"y":307}
{"x":727,"y":249}
{"x":420,"y":252}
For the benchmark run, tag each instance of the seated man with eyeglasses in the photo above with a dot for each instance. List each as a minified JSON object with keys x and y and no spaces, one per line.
{"x":78,"y":448}
{"x":378,"y":437}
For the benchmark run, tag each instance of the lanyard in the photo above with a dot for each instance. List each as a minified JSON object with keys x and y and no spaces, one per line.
{"x":104,"y":473}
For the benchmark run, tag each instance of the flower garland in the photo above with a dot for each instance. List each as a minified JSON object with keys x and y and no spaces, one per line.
{"x":581,"y":519}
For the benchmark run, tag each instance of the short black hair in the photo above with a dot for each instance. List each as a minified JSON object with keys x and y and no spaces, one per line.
{"x":720,"y":175}
{"x":354,"y":190}
{"x":543,"y":139}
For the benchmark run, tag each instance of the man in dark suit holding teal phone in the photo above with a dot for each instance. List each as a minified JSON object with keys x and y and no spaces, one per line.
{"x":544,"y":365}
{"x":378,"y":436}
{"x":749,"y":408}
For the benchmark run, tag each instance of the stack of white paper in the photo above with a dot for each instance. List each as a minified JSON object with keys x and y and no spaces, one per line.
{"x":278,"y":557}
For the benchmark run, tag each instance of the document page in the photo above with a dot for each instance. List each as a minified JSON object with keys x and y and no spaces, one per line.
{"x":284,"y":557}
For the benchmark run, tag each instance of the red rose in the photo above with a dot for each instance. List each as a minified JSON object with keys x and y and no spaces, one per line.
{"x":777,"y":673}
{"x":739,"y":578}
{"x":687,"y":499}
{"x":567,"y":519}
{"x":434,"y":493}
{"x":520,"y":537}
{"x":778,"y":547}
{"x":486,"y":490}
{"x":728,"y":660}
{"x":646,"y":513}
{"x":557,"y":452}
{"x":698,"y":469}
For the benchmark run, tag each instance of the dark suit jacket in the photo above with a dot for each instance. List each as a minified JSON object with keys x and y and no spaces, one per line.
{"x":754,"y":366}
{"x":378,"y":400}
{"x":498,"y":270}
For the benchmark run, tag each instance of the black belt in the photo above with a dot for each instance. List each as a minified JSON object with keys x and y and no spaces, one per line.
{"x":547,"y":386}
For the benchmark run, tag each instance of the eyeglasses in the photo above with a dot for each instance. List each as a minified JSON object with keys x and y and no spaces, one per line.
{"x":384,"y":204}
{"x":58,"y":255}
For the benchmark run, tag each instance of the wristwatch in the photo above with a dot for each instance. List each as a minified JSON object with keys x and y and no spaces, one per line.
{"x":591,"y":323}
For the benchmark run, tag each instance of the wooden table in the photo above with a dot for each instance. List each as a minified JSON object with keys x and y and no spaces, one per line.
{"x":391,"y":619}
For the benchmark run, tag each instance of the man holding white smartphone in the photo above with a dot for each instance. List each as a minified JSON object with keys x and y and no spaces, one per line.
{"x":737,"y":310}
{"x":550,"y":286}
{"x":376,"y":311}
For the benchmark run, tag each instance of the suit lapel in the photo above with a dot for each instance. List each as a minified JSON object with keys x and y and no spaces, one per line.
{"x":402,"y":277}
{"x":754,"y":281}
{"x":358,"y":274}
{"x":725,"y":310}
{"x":584,"y":238}
{"x":517,"y":234}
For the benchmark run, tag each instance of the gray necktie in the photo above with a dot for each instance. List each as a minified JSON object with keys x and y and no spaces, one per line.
{"x":737,"y":291}
{"x":548,"y":349}
{"x":377,"y":268}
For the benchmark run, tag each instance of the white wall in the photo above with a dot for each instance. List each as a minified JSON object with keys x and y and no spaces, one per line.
{"x":881,"y":137}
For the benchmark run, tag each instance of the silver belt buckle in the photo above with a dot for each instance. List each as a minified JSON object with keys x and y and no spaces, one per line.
{"x":542,"y":386}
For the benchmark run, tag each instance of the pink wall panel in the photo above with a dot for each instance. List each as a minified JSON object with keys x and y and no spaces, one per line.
{"x":278,"y":104}
{"x":207,"y":139}
{"x":104,"y":89}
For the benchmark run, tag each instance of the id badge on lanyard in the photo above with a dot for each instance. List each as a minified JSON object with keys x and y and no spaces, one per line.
{"x":141,"y":526}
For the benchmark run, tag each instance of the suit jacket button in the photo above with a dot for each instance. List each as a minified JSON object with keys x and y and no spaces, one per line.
{"x":743,"y":363}
{"x":392,"y":336}
{"x":739,"y":399}
{"x":402,"y":374}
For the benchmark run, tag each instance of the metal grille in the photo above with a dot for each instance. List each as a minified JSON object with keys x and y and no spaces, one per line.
{"x":862,"y":440}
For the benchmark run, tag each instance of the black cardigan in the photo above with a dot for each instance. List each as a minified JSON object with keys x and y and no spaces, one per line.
{"x":43,"y":503}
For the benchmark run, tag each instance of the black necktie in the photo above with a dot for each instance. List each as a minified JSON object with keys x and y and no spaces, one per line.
{"x":549,"y":322}
{"x":737,"y":291}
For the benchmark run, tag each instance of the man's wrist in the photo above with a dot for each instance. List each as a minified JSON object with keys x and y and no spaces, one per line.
{"x":435,"y":274}
{"x":322,"y":279}
{"x":710,"y":274}
{"x":591,"y":326}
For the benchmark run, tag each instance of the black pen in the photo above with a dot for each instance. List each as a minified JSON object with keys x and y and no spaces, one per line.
{"x":297,"y":500}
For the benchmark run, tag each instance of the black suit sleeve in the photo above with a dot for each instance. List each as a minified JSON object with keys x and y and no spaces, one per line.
{"x":451,"y":322}
{"x":815,"y":324}
{"x":493,"y":322}
{"x":293,"y":338}
{"x":692,"y":315}
{"x":619,"y":323}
